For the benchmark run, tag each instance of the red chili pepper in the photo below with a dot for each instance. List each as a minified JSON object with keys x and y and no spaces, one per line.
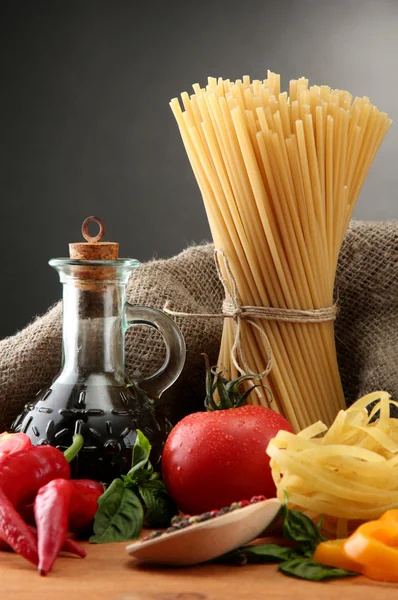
{"x":51,"y":513}
{"x":21,"y":476}
{"x":74,"y":548}
{"x":89,"y":483}
{"x":69,"y":546}
{"x":10,"y":443}
{"x":58,"y":505}
{"x":83,"y":506}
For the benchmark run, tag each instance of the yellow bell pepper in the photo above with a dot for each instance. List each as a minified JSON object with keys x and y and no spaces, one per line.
{"x":390,"y":515}
{"x":375,"y":545}
{"x":371,"y":550}
{"x":332,"y":553}
{"x":380,"y":574}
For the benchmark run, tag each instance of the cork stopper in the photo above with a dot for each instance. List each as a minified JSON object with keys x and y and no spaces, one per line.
{"x":94,"y":248}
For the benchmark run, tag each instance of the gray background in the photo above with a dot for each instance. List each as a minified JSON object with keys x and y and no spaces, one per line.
{"x":85,"y":126}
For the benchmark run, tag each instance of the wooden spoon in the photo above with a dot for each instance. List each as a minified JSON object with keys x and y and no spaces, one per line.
{"x":204,"y":541}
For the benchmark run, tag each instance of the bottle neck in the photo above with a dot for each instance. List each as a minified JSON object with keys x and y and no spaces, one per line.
{"x":93,"y":333}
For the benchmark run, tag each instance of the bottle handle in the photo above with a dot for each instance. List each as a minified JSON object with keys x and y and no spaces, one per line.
{"x":160,"y":381}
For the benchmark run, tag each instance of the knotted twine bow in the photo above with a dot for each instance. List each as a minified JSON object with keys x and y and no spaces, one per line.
{"x":233,"y":309}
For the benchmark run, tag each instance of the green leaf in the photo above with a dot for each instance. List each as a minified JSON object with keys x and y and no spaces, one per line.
{"x":159,"y":506}
{"x":133,"y":479}
{"x":119,"y":516}
{"x":297,"y":527}
{"x":307,"y":569}
{"x":140,"y":454}
{"x":267,"y":553}
{"x":155,"y":484}
{"x":264,"y":554}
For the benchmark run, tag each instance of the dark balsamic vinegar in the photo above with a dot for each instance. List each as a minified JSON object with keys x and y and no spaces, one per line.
{"x":106,"y":415}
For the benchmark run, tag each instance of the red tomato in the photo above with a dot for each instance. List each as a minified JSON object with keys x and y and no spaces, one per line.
{"x":13,"y":442}
{"x":212,"y":459}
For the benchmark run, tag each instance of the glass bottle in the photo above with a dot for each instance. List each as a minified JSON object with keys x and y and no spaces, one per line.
{"x":93,"y":394}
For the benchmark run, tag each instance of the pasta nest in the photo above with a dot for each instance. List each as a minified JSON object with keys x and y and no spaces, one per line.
{"x":345,"y":474}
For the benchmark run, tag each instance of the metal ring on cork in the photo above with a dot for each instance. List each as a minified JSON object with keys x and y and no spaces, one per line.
{"x":100,"y":234}
{"x":93,"y":248}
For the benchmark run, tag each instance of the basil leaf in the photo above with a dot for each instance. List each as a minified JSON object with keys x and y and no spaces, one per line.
{"x":140,"y":454}
{"x":267,"y":553}
{"x":159,"y":506}
{"x":133,"y":479}
{"x":307,"y":569}
{"x":155,"y":484}
{"x":143,"y":476}
{"x":119,"y":516}
{"x":297,"y":527}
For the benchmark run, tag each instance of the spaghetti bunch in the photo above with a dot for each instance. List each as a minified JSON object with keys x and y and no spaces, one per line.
{"x":279,"y":176}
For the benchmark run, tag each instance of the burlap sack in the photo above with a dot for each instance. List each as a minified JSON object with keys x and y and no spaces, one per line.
{"x":367,"y":325}
{"x":366,"y":328}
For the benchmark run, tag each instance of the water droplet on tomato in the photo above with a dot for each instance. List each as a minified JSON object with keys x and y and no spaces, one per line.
{"x":229,"y":438}
{"x":179,"y":468}
{"x":257,"y":429}
{"x":190,"y":451}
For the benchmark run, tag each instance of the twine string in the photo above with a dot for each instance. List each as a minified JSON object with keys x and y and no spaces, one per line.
{"x":233,"y":309}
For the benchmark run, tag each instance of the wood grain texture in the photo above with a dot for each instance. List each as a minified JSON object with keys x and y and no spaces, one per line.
{"x":109,"y":573}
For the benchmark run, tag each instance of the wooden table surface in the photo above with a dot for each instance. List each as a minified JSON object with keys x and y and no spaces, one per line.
{"x":109,"y":573}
